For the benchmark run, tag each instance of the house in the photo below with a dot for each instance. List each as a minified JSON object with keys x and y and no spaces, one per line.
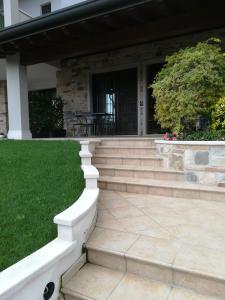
{"x":101,"y":55}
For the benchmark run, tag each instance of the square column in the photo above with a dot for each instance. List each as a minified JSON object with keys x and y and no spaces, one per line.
{"x":17,"y":91}
{"x":11,"y":12}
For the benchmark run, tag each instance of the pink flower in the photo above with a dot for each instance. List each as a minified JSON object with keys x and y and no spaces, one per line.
{"x":170,"y":136}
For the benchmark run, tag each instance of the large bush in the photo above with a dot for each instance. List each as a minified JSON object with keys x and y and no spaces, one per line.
{"x":46,"y":113}
{"x":189,"y":84}
{"x":218,"y":115}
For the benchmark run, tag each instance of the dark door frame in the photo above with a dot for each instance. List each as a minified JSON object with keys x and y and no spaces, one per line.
{"x":145,"y":90}
{"x":120,"y":67}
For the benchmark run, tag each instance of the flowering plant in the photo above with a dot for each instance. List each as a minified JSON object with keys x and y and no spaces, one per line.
{"x":170,"y":136}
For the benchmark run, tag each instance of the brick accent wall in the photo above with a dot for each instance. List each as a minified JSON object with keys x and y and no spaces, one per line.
{"x":3,"y":108}
{"x":74,"y":78}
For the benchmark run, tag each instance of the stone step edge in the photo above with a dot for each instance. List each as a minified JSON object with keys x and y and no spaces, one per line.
{"x":78,"y":296}
{"x":156,"y":263}
{"x":163,"y":184}
{"x":126,"y":147}
{"x":134,"y":138}
{"x":137,"y":168}
{"x":159,"y":267}
{"x":150,"y":157}
{"x":75,"y":294}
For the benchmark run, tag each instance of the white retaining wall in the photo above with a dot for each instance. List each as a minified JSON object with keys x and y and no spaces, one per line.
{"x":28,"y":278}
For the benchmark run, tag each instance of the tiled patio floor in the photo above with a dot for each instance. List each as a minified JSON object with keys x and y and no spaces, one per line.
{"x":183,"y":233}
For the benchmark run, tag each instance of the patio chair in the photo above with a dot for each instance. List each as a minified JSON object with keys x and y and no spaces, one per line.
{"x":84,"y":124}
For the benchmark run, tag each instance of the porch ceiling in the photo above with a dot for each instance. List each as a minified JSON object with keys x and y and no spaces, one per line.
{"x":108,"y":24}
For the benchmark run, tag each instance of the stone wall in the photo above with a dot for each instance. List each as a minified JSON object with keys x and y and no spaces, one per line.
{"x":202,"y":162}
{"x":3,"y":108}
{"x":74,"y":78}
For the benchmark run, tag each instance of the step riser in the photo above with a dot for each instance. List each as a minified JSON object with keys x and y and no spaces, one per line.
{"x":128,"y":162}
{"x":141,"y":174}
{"x":159,"y":272}
{"x":128,"y":143}
{"x":126,"y":151}
{"x":162,"y":191}
{"x":67,"y":297}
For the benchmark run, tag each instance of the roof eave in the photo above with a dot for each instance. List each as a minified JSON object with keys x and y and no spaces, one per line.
{"x":69,"y":15}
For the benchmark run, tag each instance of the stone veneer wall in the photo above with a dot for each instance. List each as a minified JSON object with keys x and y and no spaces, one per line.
{"x":202,"y":162}
{"x":74,"y":78}
{"x":3,"y":108}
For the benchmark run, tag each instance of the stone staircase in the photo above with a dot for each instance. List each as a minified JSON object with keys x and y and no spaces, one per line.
{"x":157,"y":237}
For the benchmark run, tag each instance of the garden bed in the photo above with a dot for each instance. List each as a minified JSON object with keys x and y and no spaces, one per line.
{"x":38,"y":180}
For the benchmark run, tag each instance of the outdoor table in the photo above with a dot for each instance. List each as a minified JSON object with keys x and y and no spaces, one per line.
{"x":92,"y":122}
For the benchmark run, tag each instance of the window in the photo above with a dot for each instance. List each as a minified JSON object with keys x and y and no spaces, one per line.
{"x":46,"y":8}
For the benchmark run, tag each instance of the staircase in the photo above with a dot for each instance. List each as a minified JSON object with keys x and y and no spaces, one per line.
{"x":156,"y":237}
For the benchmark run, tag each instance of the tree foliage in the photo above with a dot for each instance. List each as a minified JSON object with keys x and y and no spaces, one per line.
{"x":218,"y":115}
{"x":189,"y":84}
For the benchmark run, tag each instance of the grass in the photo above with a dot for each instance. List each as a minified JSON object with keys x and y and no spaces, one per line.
{"x":38,"y":179}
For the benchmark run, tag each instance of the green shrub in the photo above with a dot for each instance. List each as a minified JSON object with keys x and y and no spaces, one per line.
{"x":205,"y":136}
{"x":189,"y":84}
{"x":46,"y":113}
{"x":218,"y":115}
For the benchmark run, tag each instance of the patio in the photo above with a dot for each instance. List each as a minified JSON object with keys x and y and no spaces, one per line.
{"x":156,"y":237}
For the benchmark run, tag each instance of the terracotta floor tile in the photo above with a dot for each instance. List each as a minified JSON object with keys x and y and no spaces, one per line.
{"x":95,"y":282}
{"x":182,"y":294}
{"x":113,"y":240}
{"x":126,"y":212}
{"x":136,"y":288}
{"x":154,"y":250}
{"x":143,"y":225}
{"x":202,"y":260}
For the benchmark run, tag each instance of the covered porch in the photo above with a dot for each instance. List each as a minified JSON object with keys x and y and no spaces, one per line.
{"x":109,"y":51}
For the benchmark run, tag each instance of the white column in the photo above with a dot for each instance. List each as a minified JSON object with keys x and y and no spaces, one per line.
{"x":11,"y":12}
{"x":17,"y":90}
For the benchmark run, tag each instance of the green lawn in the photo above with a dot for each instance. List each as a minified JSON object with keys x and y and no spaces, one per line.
{"x":38,"y":179}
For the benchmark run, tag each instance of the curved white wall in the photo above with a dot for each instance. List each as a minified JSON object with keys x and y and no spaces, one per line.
{"x":28,"y":278}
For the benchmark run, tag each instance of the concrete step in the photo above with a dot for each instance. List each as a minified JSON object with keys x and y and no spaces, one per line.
{"x":158,"y":259}
{"x":129,"y":142}
{"x":134,"y":160}
{"x":123,"y":150}
{"x":162,"y":188}
{"x":100,"y":283}
{"x":176,"y":242}
{"x":139,"y":172}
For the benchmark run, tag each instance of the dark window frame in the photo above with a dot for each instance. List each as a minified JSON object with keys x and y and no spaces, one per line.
{"x":47,"y":6}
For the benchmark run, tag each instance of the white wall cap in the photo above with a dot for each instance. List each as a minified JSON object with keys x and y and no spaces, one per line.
{"x":85,"y":142}
{"x":79,"y":209}
{"x":90,"y":172}
{"x":91,"y":141}
{"x":27,"y":269}
{"x":207,"y":143}
{"x":85,"y":154}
